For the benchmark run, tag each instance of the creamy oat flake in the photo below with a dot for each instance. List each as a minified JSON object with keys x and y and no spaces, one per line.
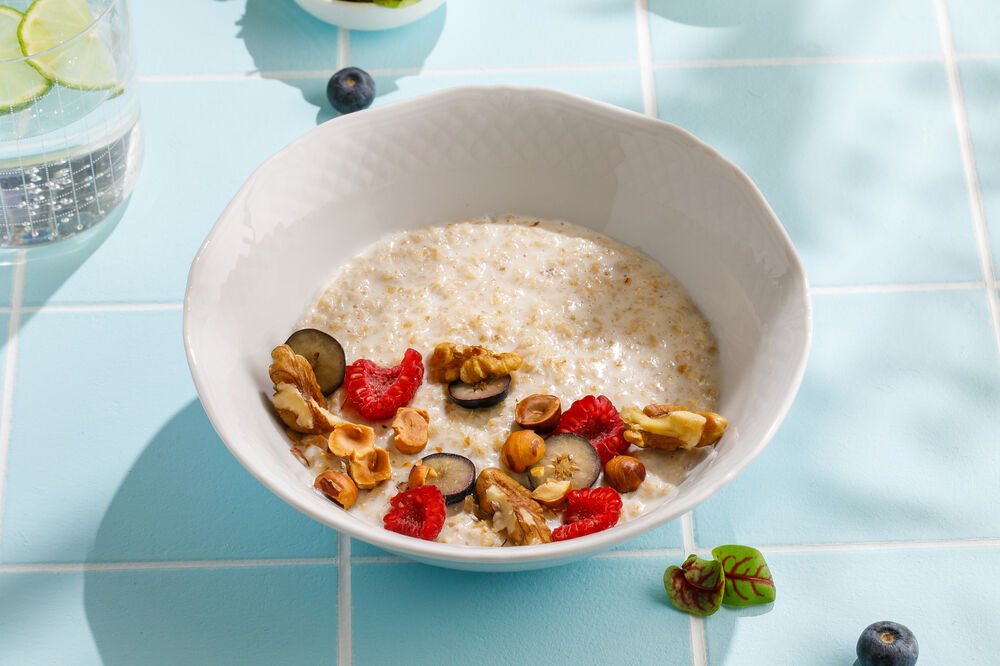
{"x":587,"y":314}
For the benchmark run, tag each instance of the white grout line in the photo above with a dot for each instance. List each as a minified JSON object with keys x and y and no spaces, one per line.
{"x":797,"y":549}
{"x":645,"y":46}
{"x":626,"y":554}
{"x":794,"y":61}
{"x":687,"y":533}
{"x":105,"y":307}
{"x":394,"y":71}
{"x":642,"y":27}
{"x":381,"y":559}
{"x":792,"y":549}
{"x":343,"y":48}
{"x":62,"y":568}
{"x":696,"y":625}
{"x":344,"y":608}
{"x":982,"y":55}
{"x":895,"y":288}
{"x":10,"y":371}
{"x":972,"y":185}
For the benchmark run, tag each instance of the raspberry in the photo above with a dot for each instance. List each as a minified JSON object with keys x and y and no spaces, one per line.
{"x":418,"y":512}
{"x":595,"y":418}
{"x":378,"y":392}
{"x":588,"y":511}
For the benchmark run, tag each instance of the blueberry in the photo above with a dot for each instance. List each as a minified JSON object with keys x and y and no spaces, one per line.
{"x":887,"y":644}
{"x":351,"y":89}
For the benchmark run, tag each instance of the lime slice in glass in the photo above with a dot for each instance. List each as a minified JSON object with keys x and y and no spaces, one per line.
{"x":81,"y":60}
{"x":20,"y":83}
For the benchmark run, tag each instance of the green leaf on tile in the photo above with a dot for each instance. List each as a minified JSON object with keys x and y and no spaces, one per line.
{"x":748,"y":580}
{"x":696,"y":586}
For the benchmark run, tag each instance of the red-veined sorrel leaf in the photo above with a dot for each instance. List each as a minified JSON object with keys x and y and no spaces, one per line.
{"x":696,"y":586}
{"x":748,"y":580}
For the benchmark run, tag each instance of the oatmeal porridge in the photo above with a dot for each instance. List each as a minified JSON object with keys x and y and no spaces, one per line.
{"x":575,"y":313}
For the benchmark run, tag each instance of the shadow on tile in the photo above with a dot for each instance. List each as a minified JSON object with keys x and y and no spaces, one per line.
{"x":187,"y":499}
{"x":49,"y":266}
{"x":257,"y":33}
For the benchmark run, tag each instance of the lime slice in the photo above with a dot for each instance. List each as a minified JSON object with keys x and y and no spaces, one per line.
{"x":82,"y":60}
{"x":20,"y":83}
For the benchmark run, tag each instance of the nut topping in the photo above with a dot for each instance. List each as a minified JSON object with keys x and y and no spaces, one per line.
{"x":419,"y":475}
{"x":410,"y":426}
{"x":539,"y":412}
{"x":551,"y":493}
{"x":671,"y":427}
{"x":338,"y":487}
{"x":511,"y":507}
{"x":450,"y":362}
{"x":522,"y":450}
{"x":300,"y":403}
{"x":348,"y":439}
{"x":624,"y":473}
{"x":371,"y":468}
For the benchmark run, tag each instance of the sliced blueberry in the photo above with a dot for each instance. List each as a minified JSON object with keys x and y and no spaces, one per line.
{"x":568,"y":457}
{"x":486,"y":393}
{"x":455,"y":475}
{"x":351,"y":89}
{"x":324,"y":354}
{"x":887,"y":644}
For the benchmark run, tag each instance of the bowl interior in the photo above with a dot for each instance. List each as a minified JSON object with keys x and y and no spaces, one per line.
{"x":465,"y":153}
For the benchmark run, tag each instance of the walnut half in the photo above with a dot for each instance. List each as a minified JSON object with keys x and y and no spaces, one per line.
{"x":297,"y":397}
{"x":671,"y":427}
{"x":511,"y":507}
{"x":470,"y":364}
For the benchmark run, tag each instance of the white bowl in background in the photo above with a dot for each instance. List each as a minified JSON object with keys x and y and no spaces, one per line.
{"x":367,"y":16}
{"x":468,"y":152}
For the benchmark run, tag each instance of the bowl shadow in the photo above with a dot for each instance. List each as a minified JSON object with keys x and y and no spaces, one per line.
{"x":187,"y":500}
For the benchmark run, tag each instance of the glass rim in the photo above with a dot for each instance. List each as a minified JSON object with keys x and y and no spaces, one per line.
{"x":27,"y":58}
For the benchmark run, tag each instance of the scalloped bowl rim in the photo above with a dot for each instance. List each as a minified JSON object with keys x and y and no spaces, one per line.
{"x":477,"y":557}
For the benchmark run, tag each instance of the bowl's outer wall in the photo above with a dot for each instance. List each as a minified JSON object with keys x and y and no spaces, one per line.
{"x":365,"y":16}
{"x":465,"y":153}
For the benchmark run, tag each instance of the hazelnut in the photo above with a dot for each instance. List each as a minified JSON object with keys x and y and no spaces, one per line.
{"x":539,"y":412}
{"x":410,"y":426}
{"x":551,"y":493}
{"x":338,"y":487}
{"x":624,"y":473}
{"x":348,"y":439}
{"x":419,"y":475}
{"x":522,"y":449}
{"x":371,"y":468}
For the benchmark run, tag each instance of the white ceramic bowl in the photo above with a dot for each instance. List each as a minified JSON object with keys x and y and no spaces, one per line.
{"x":467,"y":152}
{"x":367,"y":16}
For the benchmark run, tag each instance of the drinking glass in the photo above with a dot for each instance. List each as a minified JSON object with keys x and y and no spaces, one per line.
{"x":70,"y":135}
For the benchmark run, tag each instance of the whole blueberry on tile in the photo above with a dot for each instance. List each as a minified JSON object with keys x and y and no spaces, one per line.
{"x":351,"y":89}
{"x":887,"y":644}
